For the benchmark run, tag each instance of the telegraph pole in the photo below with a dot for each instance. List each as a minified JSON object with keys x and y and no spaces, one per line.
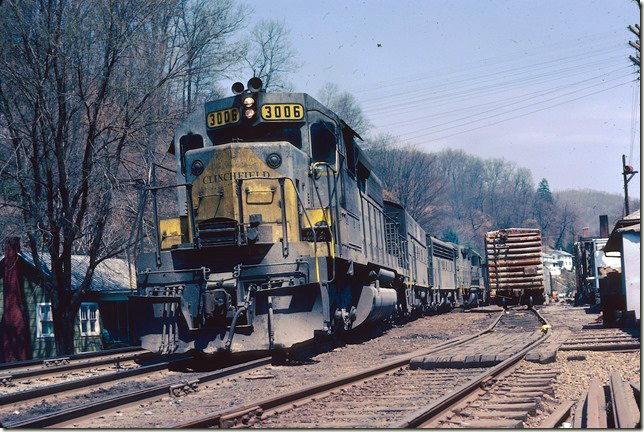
{"x":636,"y":44}
{"x":628,"y":173}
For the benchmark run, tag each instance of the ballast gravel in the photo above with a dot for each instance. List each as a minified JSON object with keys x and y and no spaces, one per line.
{"x":579,"y":367}
{"x":272,"y":380}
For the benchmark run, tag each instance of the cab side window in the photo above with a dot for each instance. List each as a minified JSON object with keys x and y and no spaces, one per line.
{"x":323,"y":142}
{"x":351,"y":153}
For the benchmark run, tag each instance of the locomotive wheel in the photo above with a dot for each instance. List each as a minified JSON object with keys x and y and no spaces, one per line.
{"x":530,"y":302}
{"x":504,"y":303}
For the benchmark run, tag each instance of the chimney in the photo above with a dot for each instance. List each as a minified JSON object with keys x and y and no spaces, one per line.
{"x":585,"y":232}
{"x":603,"y":226}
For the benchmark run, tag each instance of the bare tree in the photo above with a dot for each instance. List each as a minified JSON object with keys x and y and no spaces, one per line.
{"x":345,"y":105}
{"x":566,"y":219}
{"x":83,"y":87}
{"x":270,"y":55}
{"x":202,"y":29}
{"x":408,"y":177}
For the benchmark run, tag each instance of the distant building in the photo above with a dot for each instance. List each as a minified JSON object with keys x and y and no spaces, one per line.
{"x":25,"y":307}
{"x":552,"y":264}
{"x":564,"y":258}
{"x":625,"y":239}
{"x":557,"y":260}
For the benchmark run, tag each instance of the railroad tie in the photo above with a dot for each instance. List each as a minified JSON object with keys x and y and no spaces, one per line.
{"x":596,"y":406}
{"x":510,"y":405}
{"x":491,"y":424}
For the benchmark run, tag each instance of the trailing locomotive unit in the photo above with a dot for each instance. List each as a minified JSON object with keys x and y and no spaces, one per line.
{"x":282,"y":234}
{"x":515,"y":266}
{"x":442,"y":274}
{"x":469,"y":277}
{"x":411,"y":256}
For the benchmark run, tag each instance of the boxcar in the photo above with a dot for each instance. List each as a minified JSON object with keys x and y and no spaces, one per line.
{"x":515,"y":266}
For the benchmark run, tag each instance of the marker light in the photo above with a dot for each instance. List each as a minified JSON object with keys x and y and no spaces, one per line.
{"x":197,"y":167}
{"x":274,"y":160}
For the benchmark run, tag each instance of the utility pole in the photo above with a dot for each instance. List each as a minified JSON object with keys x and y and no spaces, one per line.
{"x":628,"y":173}
{"x":636,"y":44}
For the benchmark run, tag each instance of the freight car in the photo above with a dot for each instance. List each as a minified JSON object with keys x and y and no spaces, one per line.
{"x":593,"y":265}
{"x":282,"y":233}
{"x":515,"y":266}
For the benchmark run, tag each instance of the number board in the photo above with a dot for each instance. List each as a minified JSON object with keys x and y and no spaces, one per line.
{"x":221,"y":118}
{"x":274,"y":112}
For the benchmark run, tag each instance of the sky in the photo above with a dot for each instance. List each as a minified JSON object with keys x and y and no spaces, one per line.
{"x":546,"y":84}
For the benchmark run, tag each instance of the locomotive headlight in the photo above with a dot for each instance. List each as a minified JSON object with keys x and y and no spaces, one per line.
{"x":197,"y":167}
{"x":249,"y":101}
{"x":249,"y":113}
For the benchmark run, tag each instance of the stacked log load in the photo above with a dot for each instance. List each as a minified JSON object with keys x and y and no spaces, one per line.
{"x":515,"y":266}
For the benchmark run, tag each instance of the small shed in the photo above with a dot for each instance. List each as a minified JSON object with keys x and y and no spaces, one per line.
{"x":102,"y":317}
{"x":625,"y":239}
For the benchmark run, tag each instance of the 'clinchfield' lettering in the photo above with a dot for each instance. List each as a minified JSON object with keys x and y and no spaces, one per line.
{"x":217,"y":178}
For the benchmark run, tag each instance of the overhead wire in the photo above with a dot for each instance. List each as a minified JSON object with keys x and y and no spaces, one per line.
{"x":469,"y":93}
{"x":471,"y":107}
{"x":506,"y":112}
{"x":515,"y":117}
{"x":480,"y":77}
{"x":490,"y":83}
{"x":563,"y":46}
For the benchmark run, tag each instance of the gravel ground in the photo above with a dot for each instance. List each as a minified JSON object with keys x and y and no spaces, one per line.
{"x":576,"y":374}
{"x":276,"y":379}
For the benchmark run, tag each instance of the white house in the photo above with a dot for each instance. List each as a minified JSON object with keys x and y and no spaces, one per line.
{"x":564,"y":258}
{"x":557,"y":260}
{"x":551,"y":263}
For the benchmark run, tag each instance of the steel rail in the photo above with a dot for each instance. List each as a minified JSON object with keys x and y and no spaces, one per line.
{"x":72,"y":357}
{"x":625,"y":411}
{"x":89,"y":381}
{"x":234,"y":415}
{"x":558,"y":416}
{"x":81,"y":364}
{"x":434,"y":410}
{"x":60,"y":418}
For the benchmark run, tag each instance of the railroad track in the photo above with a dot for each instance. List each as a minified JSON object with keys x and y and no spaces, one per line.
{"x":175,"y":388}
{"x":88,"y":382}
{"x":603,"y":339}
{"x":616,"y":405}
{"x":187,"y":384}
{"x":392,"y":393}
{"x":10,"y":373}
{"x":46,"y":362}
{"x":504,"y":399}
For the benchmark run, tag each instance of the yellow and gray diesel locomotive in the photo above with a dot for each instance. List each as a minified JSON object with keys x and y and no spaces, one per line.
{"x":283,"y":233}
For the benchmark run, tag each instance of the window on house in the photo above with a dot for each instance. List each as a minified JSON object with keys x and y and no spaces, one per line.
{"x":45,"y":325}
{"x":89,"y":319}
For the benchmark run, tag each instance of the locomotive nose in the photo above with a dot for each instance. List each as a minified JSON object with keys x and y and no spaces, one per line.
{"x":237,"y":196}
